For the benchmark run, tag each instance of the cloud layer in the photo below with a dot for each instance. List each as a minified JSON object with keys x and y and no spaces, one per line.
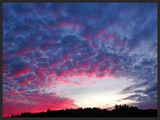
{"x":45,"y":43}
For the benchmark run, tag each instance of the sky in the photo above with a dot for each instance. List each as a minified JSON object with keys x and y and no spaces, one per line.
{"x":70,"y":55}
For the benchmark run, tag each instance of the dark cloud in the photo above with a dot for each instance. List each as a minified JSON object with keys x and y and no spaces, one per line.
{"x":151,"y":89}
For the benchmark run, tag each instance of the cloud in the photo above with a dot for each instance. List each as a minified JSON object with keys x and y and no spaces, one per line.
{"x":45,"y":43}
{"x":36,"y":102}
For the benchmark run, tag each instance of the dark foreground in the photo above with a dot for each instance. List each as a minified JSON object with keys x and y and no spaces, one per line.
{"x":118,"y":111}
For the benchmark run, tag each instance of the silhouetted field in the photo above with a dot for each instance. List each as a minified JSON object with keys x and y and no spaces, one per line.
{"x":118,"y":111}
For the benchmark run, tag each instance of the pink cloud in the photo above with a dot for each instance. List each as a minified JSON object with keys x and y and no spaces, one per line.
{"x":22,"y":72}
{"x":37,"y":102}
{"x":25,"y":82}
{"x":23,"y":52}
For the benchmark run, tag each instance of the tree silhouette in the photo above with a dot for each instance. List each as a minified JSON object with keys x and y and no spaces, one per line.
{"x":118,"y":111}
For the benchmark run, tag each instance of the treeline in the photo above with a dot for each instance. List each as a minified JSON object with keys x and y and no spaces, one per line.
{"x":118,"y":111}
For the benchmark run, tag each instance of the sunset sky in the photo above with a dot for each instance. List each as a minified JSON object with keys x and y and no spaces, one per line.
{"x":71,"y":55}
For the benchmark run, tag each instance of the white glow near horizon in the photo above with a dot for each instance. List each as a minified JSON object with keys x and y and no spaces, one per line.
{"x":101,"y":93}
